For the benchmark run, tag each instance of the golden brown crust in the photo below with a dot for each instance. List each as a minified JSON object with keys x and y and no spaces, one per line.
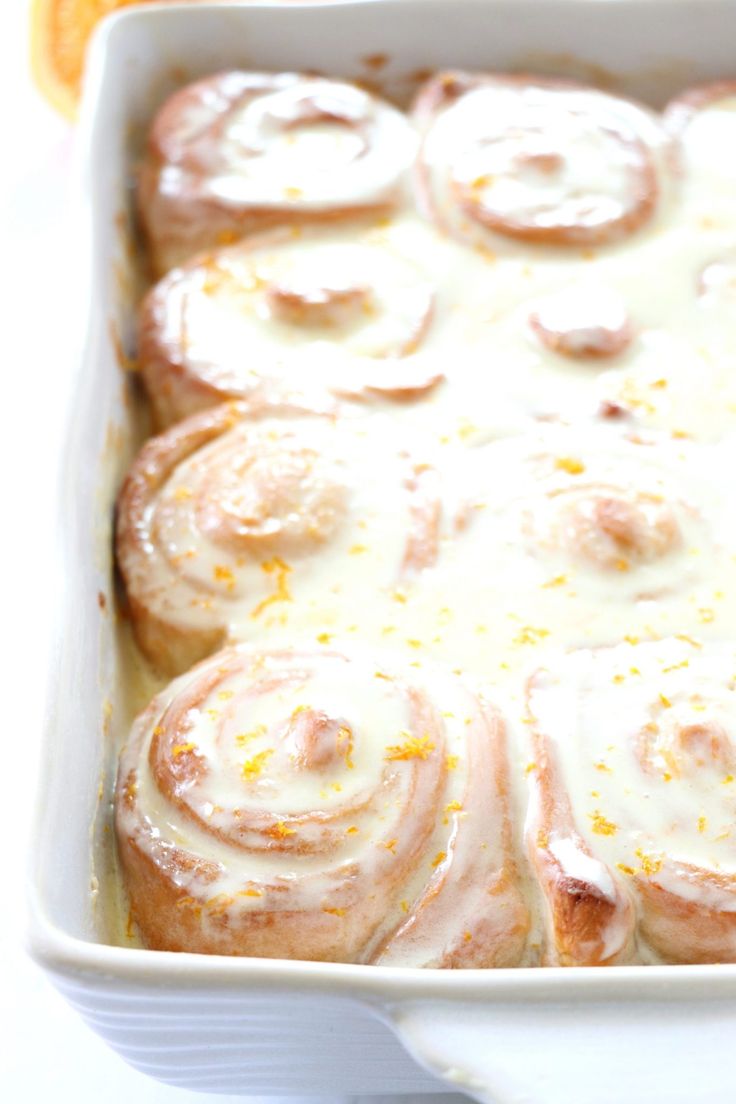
{"x":588,"y":922}
{"x":688,"y":931}
{"x":187,"y":149}
{"x":180,"y":383}
{"x":338,"y":894}
{"x":170,"y":646}
{"x":215,"y":510}
{"x":679,"y":112}
{"x":488,"y":938}
{"x":546,"y":223}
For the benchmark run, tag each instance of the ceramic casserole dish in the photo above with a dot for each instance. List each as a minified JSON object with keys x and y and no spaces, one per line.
{"x":548,"y":1036}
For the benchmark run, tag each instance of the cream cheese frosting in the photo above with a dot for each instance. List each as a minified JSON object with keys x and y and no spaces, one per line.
{"x":484,"y":446}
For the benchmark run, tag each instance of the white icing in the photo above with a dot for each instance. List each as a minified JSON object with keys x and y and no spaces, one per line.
{"x":577,"y":864}
{"x":529,"y":564}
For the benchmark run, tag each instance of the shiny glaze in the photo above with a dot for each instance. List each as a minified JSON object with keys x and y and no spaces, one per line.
{"x":239,"y":151}
{"x":546,"y":513}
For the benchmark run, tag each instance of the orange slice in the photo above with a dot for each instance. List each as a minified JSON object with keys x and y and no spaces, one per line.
{"x":60,"y":31}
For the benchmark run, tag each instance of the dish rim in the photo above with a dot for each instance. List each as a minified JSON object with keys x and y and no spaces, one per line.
{"x":66,"y":955}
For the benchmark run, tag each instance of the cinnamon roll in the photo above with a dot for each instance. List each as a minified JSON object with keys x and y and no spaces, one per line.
{"x":238,"y":519}
{"x":631,"y":828}
{"x":238,"y":152}
{"x":583,"y":323}
{"x":578,"y":538}
{"x":702,"y":121}
{"x":538,"y":160}
{"x":325,"y":312}
{"x":619,"y":515}
{"x":325,"y":806}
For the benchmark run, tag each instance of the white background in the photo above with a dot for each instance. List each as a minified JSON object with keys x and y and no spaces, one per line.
{"x":46,"y":1053}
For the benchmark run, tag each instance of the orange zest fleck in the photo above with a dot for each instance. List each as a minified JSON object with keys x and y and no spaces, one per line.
{"x":414,"y":747}
{"x":569,"y":464}
{"x":252,"y":768}
{"x":688,"y":640}
{"x":281,"y":571}
{"x":649,"y":864}
{"x":601,"y":826}
{"x":451,"y":807}
{"x":243,"y":738}
{"x":182,"y":749}
{"x":530,"y":635}
{"x":223,"y":574}
{"x":555,"y":581}
{"x":346,"y":745}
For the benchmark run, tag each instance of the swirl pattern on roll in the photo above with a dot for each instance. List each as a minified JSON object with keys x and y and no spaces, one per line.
{"x":238,"y":152}
{"x":320,"y":805}
{"x":609,"y":513}
{"x":233,"y":515}
{"x":539,"y":160}
{"x":319,"y":312}
{"x":634,"y":783}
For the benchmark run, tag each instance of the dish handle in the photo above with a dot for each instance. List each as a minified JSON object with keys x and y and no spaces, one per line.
{"x":574,"y":1052}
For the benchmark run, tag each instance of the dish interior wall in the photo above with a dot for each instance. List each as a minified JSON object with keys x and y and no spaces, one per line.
{"x":640,"y":47}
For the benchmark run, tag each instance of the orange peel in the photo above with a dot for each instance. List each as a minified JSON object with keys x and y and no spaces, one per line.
{"x":60,"y":33}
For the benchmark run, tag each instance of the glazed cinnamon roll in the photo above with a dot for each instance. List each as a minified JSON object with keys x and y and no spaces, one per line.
{"x":534,"y":159}
{"x":238,"y":152}
{"x":290,"y":804}
{"x":578,"y":538}
{"x":325,"y":312}
{"x":615,"y":515}
{"x":239,"y":519}
{"x":702,"y":121}
{"x":634,"y":795}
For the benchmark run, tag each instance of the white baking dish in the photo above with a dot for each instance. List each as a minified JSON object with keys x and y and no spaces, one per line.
{"x":250,"y":1026}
